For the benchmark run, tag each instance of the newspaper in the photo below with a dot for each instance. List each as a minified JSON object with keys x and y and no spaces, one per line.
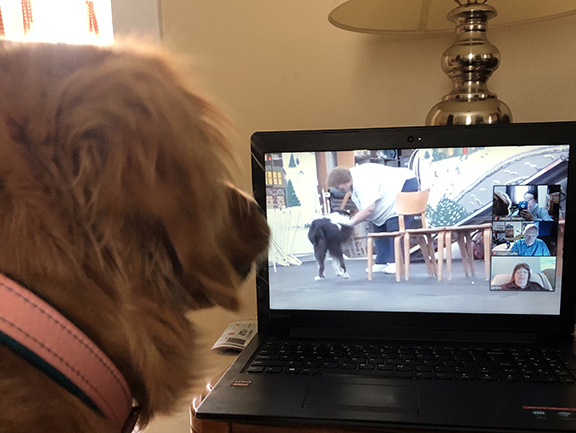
{"x":236,"y":336}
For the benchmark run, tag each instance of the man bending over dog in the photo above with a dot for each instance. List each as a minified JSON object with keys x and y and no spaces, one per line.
{"x":373,"y":189}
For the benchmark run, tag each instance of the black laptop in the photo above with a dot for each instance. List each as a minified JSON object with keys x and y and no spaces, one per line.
{"x":467,"y":351}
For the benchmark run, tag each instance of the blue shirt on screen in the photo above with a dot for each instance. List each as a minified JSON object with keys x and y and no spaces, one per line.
{"x":538,"y":248}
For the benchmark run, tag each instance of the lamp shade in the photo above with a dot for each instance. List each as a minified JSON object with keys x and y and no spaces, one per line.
{"x":429,"y":16}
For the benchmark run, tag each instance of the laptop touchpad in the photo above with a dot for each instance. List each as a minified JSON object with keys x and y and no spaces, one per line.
{"x":363,"y":397}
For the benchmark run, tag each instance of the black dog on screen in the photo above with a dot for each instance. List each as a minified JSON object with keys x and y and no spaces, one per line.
{"x":327,"y":235}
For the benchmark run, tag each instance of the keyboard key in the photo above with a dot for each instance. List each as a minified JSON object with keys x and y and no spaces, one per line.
{"x":511,"y":378}
{"x":268,"y":363}
{"x":468,"y":370}
{"x":385,"y":367}
{"x":485,"y":370}
{"x":538,"y":379}
{"x":262,"y":357}
{"x":364,"y":366}
{"x":566,"y":380}
{"x":403,"y":368}
{"x":287,"y":357}
{"x":423,"y":369}
{"x":569,"y":363}
{"x":488,"y":376}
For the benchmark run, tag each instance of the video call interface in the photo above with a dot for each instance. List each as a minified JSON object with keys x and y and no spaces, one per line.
{"x":518,"y":191}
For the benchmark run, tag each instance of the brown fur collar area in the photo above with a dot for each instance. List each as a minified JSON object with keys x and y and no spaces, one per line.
{"x":117,"y":207}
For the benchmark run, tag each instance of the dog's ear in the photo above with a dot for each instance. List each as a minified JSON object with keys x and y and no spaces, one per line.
{"x":312,"y":231}
{"x":248,"y":236}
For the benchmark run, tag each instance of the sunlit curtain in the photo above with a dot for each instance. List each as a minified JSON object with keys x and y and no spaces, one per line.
{"x":2,"y":31}
{"x":72,"y":21}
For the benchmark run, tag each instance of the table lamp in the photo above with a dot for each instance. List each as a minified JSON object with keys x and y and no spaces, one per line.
{"x":470,"y":60}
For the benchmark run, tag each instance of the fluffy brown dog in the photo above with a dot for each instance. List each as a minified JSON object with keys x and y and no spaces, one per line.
{"x":116,"y":208}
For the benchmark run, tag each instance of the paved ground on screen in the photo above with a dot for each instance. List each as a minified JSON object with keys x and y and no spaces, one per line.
{"x":294,"y":287}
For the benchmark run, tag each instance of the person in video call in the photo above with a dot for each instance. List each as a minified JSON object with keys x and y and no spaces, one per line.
{"x":530,"y":245}
{"x":373,"y":189}
{"x":533,"y":212}
{"x":521,"y":280}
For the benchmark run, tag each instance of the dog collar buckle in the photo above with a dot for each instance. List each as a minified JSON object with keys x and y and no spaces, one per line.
{"x":131,"y":421}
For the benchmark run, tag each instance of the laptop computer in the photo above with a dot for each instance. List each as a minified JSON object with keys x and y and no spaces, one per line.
{"x":469,"y":351}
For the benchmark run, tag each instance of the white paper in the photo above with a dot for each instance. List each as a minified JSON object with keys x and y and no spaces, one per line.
{"x":236,"y":336}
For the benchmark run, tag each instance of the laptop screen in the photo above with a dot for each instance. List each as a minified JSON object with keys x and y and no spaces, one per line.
{"x":498,"y":210}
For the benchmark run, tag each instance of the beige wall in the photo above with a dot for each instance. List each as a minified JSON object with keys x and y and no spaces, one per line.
{"x":137,"y":17}
{"x":279,"y":64}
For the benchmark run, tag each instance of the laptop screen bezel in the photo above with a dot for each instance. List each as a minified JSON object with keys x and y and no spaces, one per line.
{"x":548,"y":326}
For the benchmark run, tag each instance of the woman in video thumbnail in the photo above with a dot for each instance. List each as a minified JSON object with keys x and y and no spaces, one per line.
{"x":521,"y":280}
{"x":530,"y":245}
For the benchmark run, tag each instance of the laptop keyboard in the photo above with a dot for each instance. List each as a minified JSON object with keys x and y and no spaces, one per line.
{"x":424,"y":362}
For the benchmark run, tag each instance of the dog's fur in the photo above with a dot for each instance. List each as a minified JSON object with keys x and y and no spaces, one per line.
{"x":115,"y":207}
{"x":327,"y":235}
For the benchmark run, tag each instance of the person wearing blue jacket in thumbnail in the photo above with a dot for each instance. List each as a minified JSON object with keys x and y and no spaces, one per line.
{"x":530,"y":245}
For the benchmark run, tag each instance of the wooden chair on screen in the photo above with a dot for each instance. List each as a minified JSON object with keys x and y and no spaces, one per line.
{"x":410,"y":204}
{"x":464,"y":235}
{"x":397,"y":236}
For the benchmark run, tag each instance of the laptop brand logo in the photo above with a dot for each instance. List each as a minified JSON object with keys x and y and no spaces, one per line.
{"x":241,"y":383}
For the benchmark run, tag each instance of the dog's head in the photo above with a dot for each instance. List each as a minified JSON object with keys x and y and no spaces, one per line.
{"x":116,"y":202}
{"x":340,"y":217}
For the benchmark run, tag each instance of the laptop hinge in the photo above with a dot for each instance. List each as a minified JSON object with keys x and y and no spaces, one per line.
{"x":438,"y":335}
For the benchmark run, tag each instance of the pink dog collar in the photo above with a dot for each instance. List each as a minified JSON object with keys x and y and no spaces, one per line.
{"x":45,"y":338}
